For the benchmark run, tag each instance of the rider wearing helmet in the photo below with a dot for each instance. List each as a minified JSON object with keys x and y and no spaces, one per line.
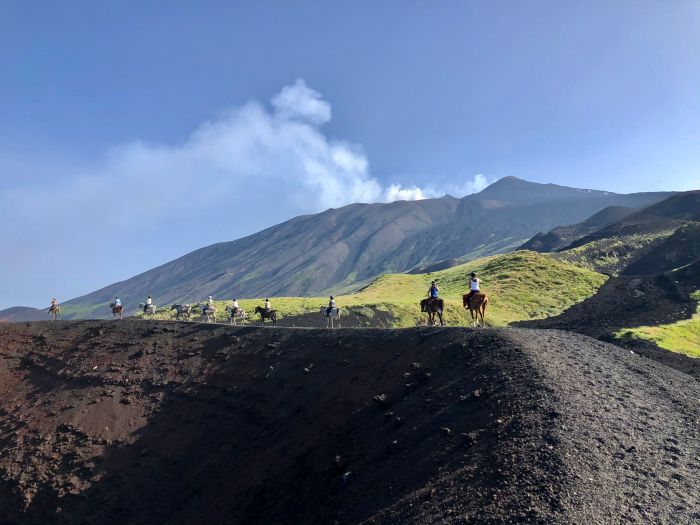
{"x":268,"y":307}
{"x":331,"y":305}
{"x":234,"y":307}
{"x":117,"y":301}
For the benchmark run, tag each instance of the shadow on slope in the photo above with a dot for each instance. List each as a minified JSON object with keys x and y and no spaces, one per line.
{"x":145,"y":422}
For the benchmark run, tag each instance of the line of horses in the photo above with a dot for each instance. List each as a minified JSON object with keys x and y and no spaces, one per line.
{"x":476,"y":304}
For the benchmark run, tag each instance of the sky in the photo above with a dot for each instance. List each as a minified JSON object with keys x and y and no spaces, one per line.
{"x":134,"y":132}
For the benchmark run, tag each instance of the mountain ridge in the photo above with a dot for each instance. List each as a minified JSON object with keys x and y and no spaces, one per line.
{"x":344,"y":248}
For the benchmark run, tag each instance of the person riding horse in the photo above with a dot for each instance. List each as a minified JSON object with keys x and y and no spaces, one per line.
{"x":54,"y":305}
{"x":234,"y":308}
{"x":476,"y":300}
{"x":331,"y":305}
{"x":148,"y":304}
{"x":474,"y":286}
{"x":208,"y":306}
{"x":433,"y":293}
{"x":268,"y":307}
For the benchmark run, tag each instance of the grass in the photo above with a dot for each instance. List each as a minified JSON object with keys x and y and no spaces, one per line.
{"x":521,"y":285}
{"x":681,"y":336}
{"x":611,"y":255}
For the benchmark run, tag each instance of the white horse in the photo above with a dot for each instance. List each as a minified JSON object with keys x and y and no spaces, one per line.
{"x":240,"y":315}
{"x":182,"y":310}
{"x":148,"y":309}
{"x":330,"y":317}
{"x":209,"y":314}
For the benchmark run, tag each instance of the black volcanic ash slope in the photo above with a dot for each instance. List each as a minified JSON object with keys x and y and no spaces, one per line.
{"x":153,"y":422}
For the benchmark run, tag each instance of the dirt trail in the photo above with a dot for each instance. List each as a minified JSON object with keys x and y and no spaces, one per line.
{"x":161,"y":422}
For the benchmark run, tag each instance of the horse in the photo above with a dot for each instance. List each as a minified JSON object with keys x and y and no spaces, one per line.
{"x":334,"y":314}
{"x":239,"y":314}
{"x":53,"y":312}
{"x":433,"y":306}
{"x":266,"y":314}
{"x":148,"y":309}
{"x":116,"y":310}
{"x":184,"y":310}
{"x":477,"y":306}
{"x":209,"y":314}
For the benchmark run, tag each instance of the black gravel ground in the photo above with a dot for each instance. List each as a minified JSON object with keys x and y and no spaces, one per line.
{"x":140,"y":422}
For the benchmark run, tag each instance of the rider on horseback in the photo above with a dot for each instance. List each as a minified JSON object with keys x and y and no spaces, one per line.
{"x":331,"y":305}
{"x":234,"y":308}
{"x":208,"y":306}
{"x":117,"y":302}
{"x":474,"y":286}
{"x":54,"y":304}
{"x":268,"y":307}
{"x":146,"y":306}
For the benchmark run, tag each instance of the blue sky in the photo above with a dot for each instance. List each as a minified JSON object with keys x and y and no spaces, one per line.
{"x":123,"y":127}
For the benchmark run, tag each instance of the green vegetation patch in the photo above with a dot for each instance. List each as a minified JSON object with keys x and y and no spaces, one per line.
{"x":612,"y":255}
{"x":521,"y":285}
{"x":681,"y":336}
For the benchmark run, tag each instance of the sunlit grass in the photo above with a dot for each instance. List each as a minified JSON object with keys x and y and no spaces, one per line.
{"x":521,"y":285}
{"x":681,"y":336}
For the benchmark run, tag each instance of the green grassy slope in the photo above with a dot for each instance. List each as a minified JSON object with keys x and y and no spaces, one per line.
{"x":681,"y":336}
{"x":521,"y":285}
{"x":612,"y":255}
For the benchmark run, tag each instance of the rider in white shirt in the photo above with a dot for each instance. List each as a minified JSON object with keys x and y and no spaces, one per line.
{"x":117,"y":301}
{"x":149,"y":302}
{"x":268,"y":307}
{"x":234,"y":308}
{"x":474,"y":286}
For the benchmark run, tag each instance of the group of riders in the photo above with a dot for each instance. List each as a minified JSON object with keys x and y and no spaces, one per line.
{"x":433,"y":303}
{"x":434,"y":292}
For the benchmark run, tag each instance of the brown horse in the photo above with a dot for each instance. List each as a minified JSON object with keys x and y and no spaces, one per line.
{"x":116,"y":311}
{"x":266,"y":314}
{"x":433,"y":306}
{"x":477,"y":306}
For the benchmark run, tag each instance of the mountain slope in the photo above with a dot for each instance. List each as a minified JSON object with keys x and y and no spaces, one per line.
{"x":23,"y":313}
{"x":650,"y":236}
{"x":340,"y":249}
{"x":562,"y":236}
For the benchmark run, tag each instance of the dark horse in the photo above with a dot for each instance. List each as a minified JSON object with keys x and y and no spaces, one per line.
{"x":266,"y":314}
{"x":433,"y":306}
